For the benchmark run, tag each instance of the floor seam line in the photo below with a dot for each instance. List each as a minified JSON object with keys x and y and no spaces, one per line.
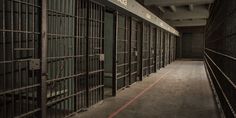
{"x":137,"y":96}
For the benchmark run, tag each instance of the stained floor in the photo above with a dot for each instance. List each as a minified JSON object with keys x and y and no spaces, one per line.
{"x":181,"y":90}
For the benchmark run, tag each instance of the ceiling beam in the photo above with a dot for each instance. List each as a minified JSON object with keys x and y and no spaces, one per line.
{"x":162,"y":9}
{"x":135,"y":8}
{"x":185,"y":23}
{"x":173,"y":8}
{"x":182,"y":13}
{"x":176,"y":2}
{"x":191,"y":7}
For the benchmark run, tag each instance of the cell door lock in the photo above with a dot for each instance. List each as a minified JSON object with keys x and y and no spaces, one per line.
{"x":102,"y":58}
{"x":34,"y":64}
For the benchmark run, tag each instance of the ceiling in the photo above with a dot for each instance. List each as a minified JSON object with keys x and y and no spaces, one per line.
{"x":180,"y":13}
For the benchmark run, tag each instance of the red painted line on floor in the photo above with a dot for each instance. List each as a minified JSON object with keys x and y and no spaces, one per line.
{"x":135,"y":98}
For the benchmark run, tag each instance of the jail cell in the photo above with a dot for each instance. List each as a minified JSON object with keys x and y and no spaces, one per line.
{"x":75,"y":64}
{"x":146,"y":49}
{"x":172,"y":48}
{"x":152,"y":52}
{"x":61,"y":57}
{"x":96,"y":53}
{"x":175,"y":48}
{"x":158,"y":49}
{"x":162,"y":41}
{"x":19,"y":58}
{"x":122,"y":62}
{"x":168,"y":52}
{"x":135,"y":36}
{"x":167,"y":49}
{"x":80,"y":48}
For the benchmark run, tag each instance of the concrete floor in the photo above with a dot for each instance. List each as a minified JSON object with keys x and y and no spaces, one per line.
{"x":181,"y":90}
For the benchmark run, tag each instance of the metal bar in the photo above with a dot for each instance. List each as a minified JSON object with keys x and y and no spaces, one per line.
{"x":87,"y":53}
{"x":114,"y":68}
{"x":130,"y":52}
{"x":155,"y":50}
{"x":43,"y":57}
{"x":163,"y":48}
{"x":221,"y":54}
{"x":4,"y":114}
{"x":102,"y":15}
{"x":12,"y":56}
{"x":228,"y":78}
{"x":141,"y":52}
{"x":76,"y":98}
{"x":221,"y":89}
{"x":149,"y":40}
{"x":126,"y":50}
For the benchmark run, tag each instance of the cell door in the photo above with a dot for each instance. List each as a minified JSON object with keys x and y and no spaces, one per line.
{"x":19,"y":58}
{"x":175,"y":47}
{"x":158,"y":50}
{"x":95,"y":49}
{"x":152,"y":50}
{"x":169,"y":47}
{"x":75,"y":56}
{"x":122,"y":53}
{"x":162,"y":48}
{"x":146,"y":50}
{"x":166,"y":39}
{"x":63,"y":57}
{"x":135,"y":31}
{"x":172,"y":45}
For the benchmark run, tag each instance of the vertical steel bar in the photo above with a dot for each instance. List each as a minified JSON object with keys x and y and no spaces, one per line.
{"x":64,"y":63}
{"x":12,"y":55}
{"x":4,"y":59}
{"x":141,"y":52}
{"x":130,"y":50}
{"x":125,"y":49}
{"x":114,"y":68}
{"x":87,"y":53}
{"x":102,"y":47}
{"x":20,"y":46}
{"x":25,"y":106}
{"x":149,"y":49}
{"x":159,"y":48}
{"x":155,"y":50}
{"x":43,"y":58}
{"x":76,"y":97}
{"x":163,"y":48}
